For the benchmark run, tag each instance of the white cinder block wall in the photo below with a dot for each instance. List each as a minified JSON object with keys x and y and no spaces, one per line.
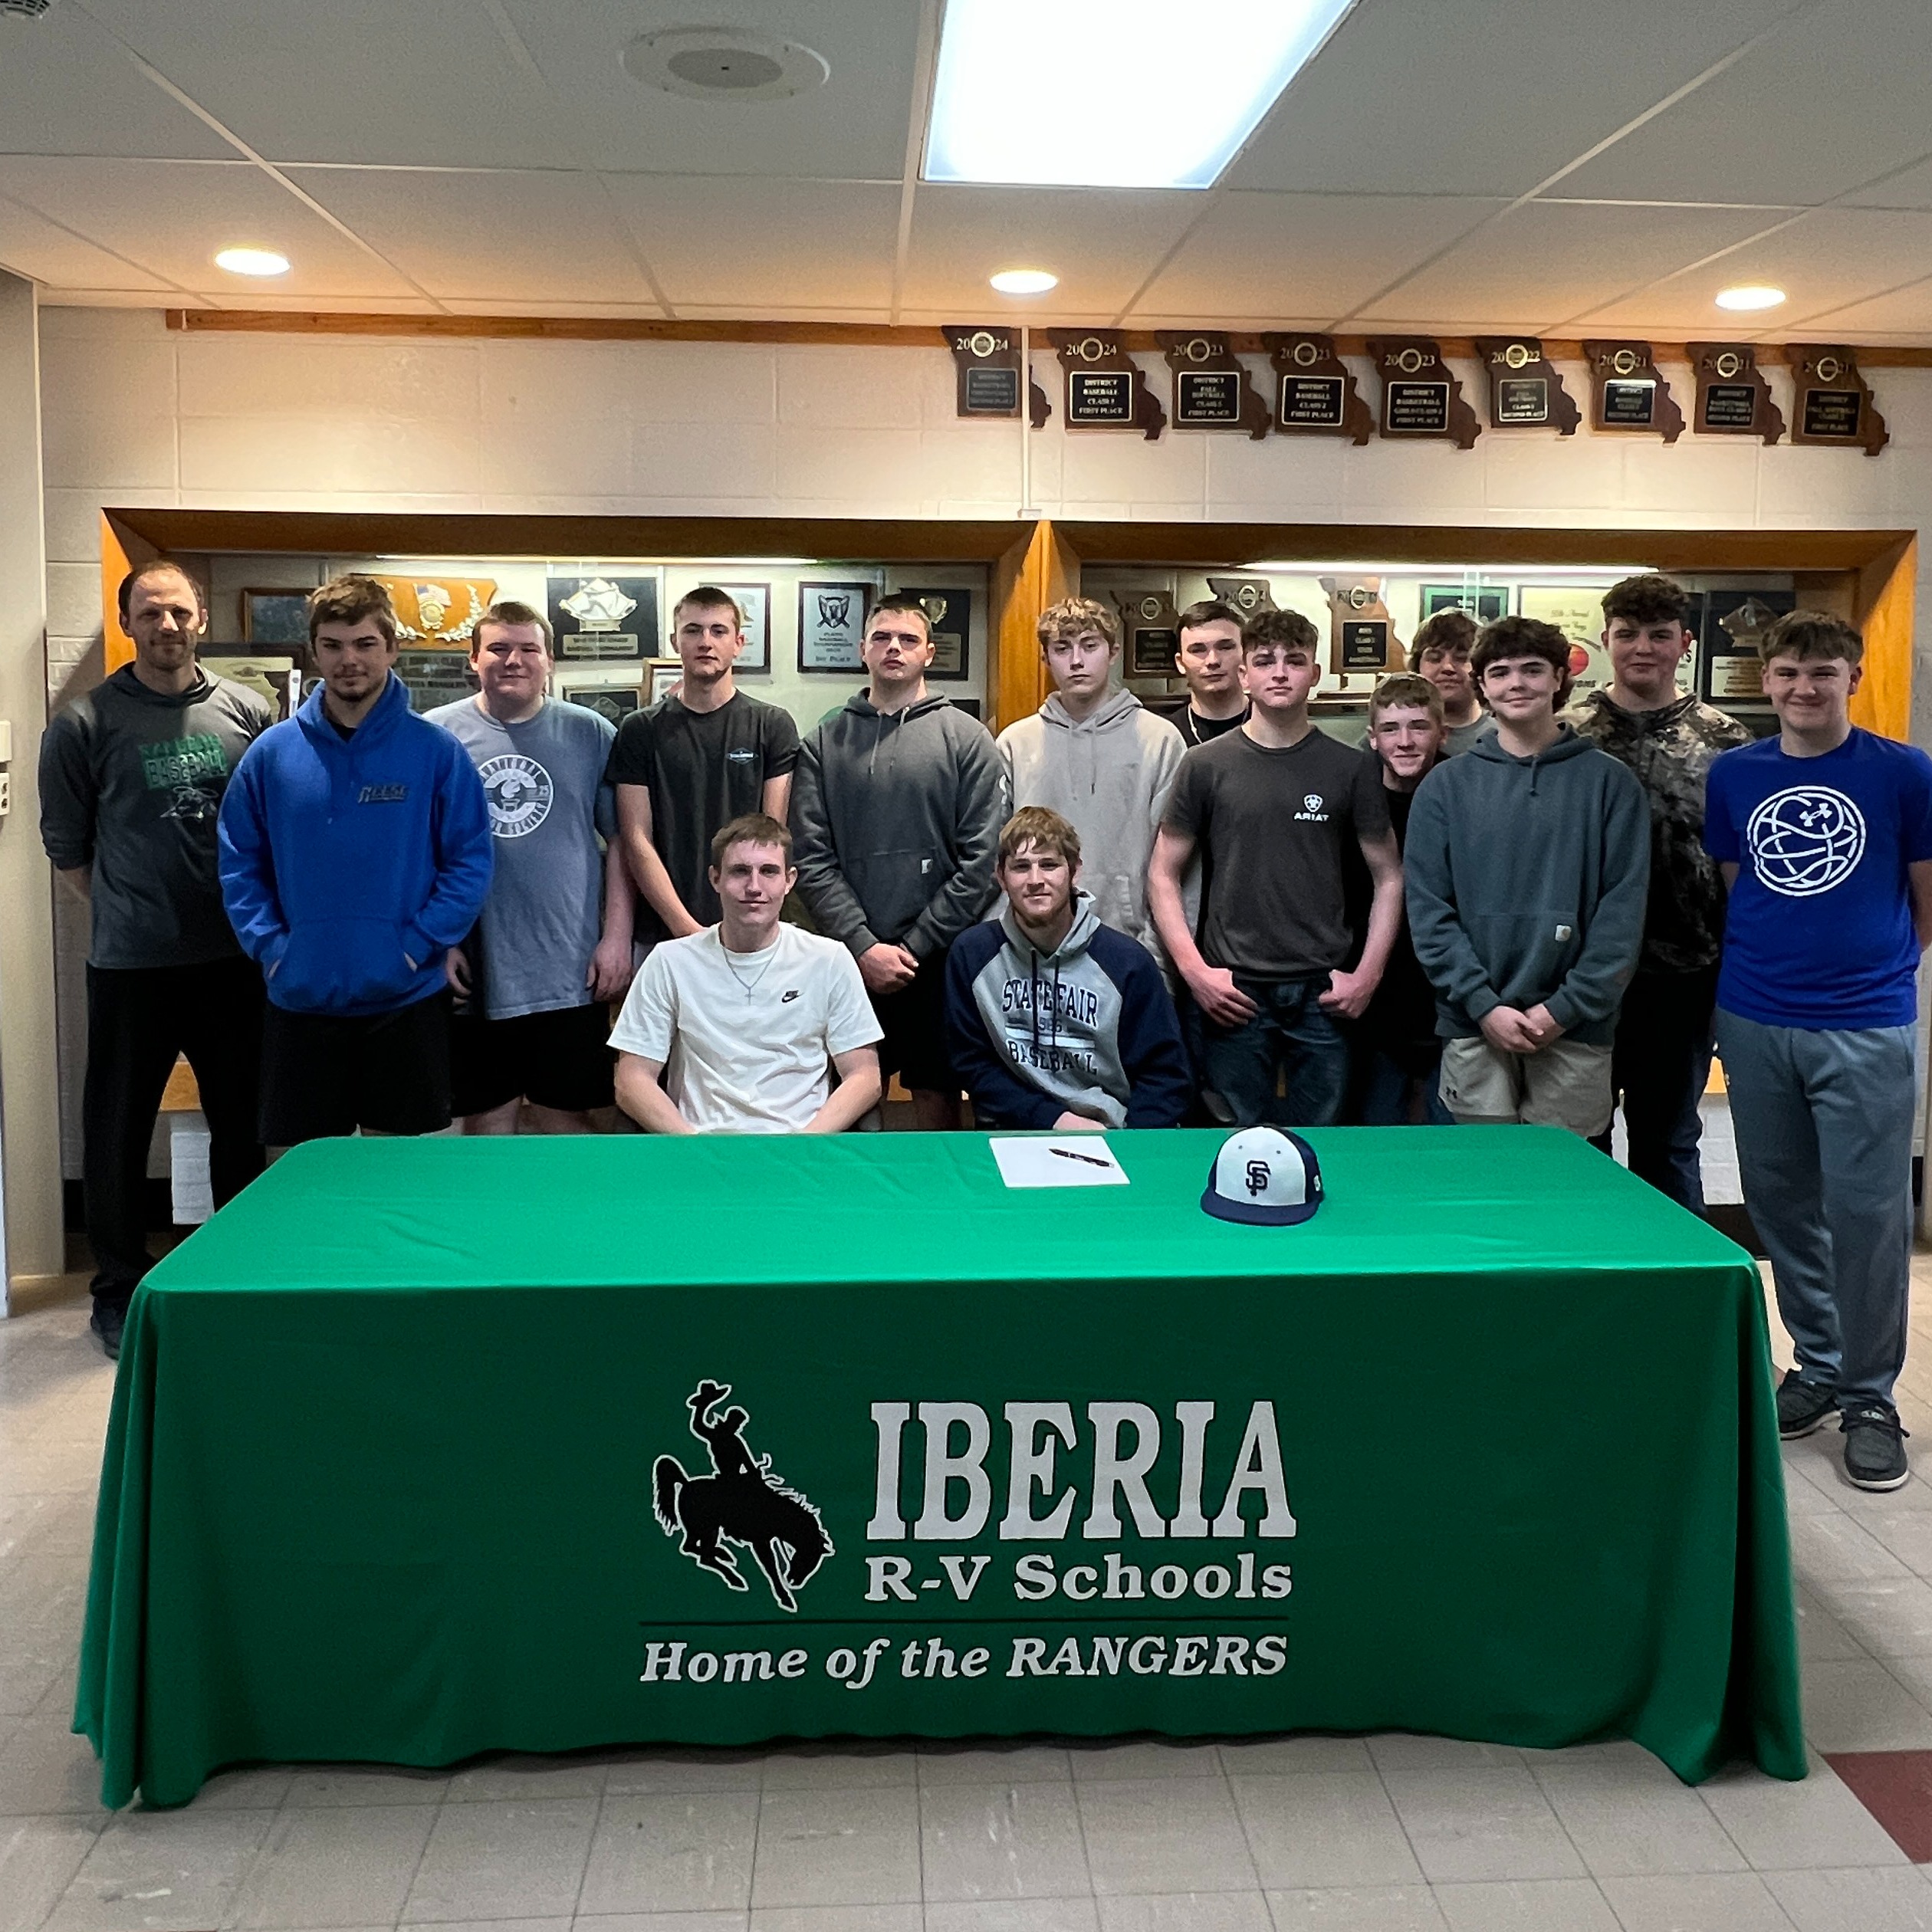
{"x":136,"y":414}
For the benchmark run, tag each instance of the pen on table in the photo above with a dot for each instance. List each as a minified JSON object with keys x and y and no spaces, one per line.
{"x":1067,"y":1154}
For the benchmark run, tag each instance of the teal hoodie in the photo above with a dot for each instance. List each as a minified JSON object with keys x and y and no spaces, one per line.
{"x":1526,"y":880}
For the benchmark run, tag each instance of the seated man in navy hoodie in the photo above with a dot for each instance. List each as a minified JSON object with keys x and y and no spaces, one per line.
{"x":355,"y":852}
{"x":1053,"y":1019}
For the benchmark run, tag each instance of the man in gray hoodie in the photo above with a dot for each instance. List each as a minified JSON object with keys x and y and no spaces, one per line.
{"x":1528,"y":866}
{"x":896,"y":808}
{"x":1100,"y":759}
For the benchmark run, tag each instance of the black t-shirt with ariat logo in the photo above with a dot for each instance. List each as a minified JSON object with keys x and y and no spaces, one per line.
{"x":1273,"y":824}
{"x":131,"y":783}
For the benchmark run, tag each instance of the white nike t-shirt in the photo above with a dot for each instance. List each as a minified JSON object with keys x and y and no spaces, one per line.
{"x":747,"y":1040}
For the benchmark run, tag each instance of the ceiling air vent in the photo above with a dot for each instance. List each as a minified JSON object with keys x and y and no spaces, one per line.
{"x":723,"y":64}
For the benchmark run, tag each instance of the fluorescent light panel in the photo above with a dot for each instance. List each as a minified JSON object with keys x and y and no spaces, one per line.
{"x":1111,"y":93}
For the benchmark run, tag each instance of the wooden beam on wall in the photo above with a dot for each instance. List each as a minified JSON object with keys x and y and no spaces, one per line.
{"x":1038,"y":570}
{"x":121,"y":550}
{"x":571,"y":328}
{"x":1884,"y":608}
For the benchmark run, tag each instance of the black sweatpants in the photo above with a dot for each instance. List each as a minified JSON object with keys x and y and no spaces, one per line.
{"x":139,"y":1020}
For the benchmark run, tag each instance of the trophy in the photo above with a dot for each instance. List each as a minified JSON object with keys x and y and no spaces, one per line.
{"x":1105,"y":387}
{"x":1420,"y":396}
{"x":1315,"y":394}
{"x":1361,"y":635}
{"x":1626,"y":391}
{"x":1525,"y":392}
{"x":1733,"y":399}
{"x":1151,"y":633}
{"x":1833,"y":406}
{"x":437,"y":613}
{"x":1211,"y":389}
{"x":987,"y":360}
{"x":1248,"y":594}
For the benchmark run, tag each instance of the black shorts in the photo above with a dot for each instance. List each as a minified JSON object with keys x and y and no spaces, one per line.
{"x":561,"y":1059}
{"x":326,"y":1074}
{"x":914,"y":1018}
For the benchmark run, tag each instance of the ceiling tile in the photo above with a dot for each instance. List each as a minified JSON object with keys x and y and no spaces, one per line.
{"x":515,"y":237}
{"x":730,"y":241}
{"x":170,"y":217}
{"x":1546,"y":262}
{"x":1909,"y":188}
{"x":1835,"y":97}
{"x":66,"y":88}
{"x":1300,"y":259}
{"x":430,"y":82}
{"x":1822,"y":261}
{"x":32,"y":246}
{"x":1102,"y":244}
{"x":854,"y":127}
{"x":1410,"y":97}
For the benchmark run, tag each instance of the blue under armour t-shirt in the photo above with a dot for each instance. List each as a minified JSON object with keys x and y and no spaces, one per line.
{"x":1819,"y":933}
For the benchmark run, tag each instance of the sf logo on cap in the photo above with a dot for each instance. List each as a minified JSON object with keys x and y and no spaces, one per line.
{"x":1259,"y":1175}
{"x":1264,"y":1177}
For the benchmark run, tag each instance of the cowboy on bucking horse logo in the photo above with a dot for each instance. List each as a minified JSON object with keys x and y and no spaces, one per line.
{"x":740,"y":1501}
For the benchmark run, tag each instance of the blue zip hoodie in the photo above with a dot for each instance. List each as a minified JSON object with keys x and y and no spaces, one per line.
{"x":343,"y":858}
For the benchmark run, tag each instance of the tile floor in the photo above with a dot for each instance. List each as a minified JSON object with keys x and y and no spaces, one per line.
{"x":1387,"y":1834}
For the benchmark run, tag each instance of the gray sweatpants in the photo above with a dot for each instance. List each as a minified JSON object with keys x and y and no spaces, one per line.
{"x":1824,"y":1126}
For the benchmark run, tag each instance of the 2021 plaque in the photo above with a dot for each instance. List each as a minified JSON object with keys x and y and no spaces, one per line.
{"x":1106,"y":389}
{"x":1733,"y":399}
{"x":1627,"y":393}
{"x":1525,"y":392}
{"x":1420,"y":396}
{"x":1315,"y":394}
{"x":1833,"y":407}
{"x":1211,"y":389}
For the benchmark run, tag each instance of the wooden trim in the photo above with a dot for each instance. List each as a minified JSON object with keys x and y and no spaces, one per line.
{"x":1038,"y":570}
{"x":1884,"y":608}
{"x":121,"y":550}
{"x":577,"y":328}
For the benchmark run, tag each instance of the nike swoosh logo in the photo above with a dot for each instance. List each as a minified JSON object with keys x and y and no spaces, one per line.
{"x":792,"y":995}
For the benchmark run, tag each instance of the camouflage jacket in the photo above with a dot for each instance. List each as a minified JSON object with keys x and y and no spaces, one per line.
{"x":1671,"y":751}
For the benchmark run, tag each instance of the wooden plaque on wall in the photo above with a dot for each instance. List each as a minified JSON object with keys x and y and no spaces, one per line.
{"x":1525,"y":392}
{"x":1315,"y":394}
{"x":1211,"y":388}
{"x":1106,"y":389}
{"x":1832,"y":408}
{"x":1733,"y":399}
{"x":1628,"y":393}
{"x":1421,"y":396}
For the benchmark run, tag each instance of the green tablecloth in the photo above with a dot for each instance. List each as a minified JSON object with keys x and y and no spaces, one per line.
{"x":1485,"y":1448}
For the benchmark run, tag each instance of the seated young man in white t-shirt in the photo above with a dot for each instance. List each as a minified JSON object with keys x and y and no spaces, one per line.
{"x":747,"y":1021}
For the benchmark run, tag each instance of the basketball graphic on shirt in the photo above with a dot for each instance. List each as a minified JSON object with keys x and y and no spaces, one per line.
{"x":520,"y":792}
{"x":1806,"y":839}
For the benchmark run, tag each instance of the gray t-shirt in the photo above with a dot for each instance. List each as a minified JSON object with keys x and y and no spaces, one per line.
{"x":549,"y":804}
{"x":1461,"y":737}
{"x":1272,"y":824}
{"x":131,"y":783}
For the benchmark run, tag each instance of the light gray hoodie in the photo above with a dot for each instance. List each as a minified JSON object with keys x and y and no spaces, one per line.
{"x":1109,"y":774}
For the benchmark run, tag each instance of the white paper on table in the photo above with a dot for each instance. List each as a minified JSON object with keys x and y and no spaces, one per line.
{"x":1066,"y":1161}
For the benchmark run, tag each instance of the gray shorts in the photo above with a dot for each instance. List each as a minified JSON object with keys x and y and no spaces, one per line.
{"x":1566,"y":1085}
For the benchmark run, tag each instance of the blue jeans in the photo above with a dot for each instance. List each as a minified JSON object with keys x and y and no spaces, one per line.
{"x":1387,"y":1090}
{"x":1291,"y":1033}
{"x":1824,"y":1125}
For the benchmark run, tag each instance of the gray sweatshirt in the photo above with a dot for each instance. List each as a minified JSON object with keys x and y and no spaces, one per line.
{"x":131,"y":783}
{"x":896,"y":817}
{"x":1526,"y":880}
{"x":1109,"y":774}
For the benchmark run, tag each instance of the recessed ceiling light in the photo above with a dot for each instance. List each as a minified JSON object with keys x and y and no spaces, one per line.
{"x":1165,"y":122}
{"x":1752,"y":295}
{"x":725,"y":64}
{"x":1025,"y":281}
{"x":252,"y":262}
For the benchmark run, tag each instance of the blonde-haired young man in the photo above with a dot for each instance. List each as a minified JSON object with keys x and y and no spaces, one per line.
{"x":1054,"y":1019}
{"x":1098,"y":757}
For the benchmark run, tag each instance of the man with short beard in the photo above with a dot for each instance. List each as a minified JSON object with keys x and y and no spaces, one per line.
{"x":132,"y":777}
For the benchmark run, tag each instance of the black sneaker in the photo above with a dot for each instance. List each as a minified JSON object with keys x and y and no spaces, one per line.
{"x":1874,"y":1448}
{"x":1802,"y":1406}
{"x":106,"y":1323}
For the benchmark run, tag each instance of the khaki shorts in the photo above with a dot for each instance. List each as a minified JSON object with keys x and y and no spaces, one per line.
{"x":1566,"y":1085}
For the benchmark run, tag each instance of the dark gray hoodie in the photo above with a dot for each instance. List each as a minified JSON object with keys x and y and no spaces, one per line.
{"x":1526,"y":879}
{"x":896,"y":816}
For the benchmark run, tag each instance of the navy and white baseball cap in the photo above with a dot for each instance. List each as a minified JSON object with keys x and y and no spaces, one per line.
{"x":1264,"y":1176}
